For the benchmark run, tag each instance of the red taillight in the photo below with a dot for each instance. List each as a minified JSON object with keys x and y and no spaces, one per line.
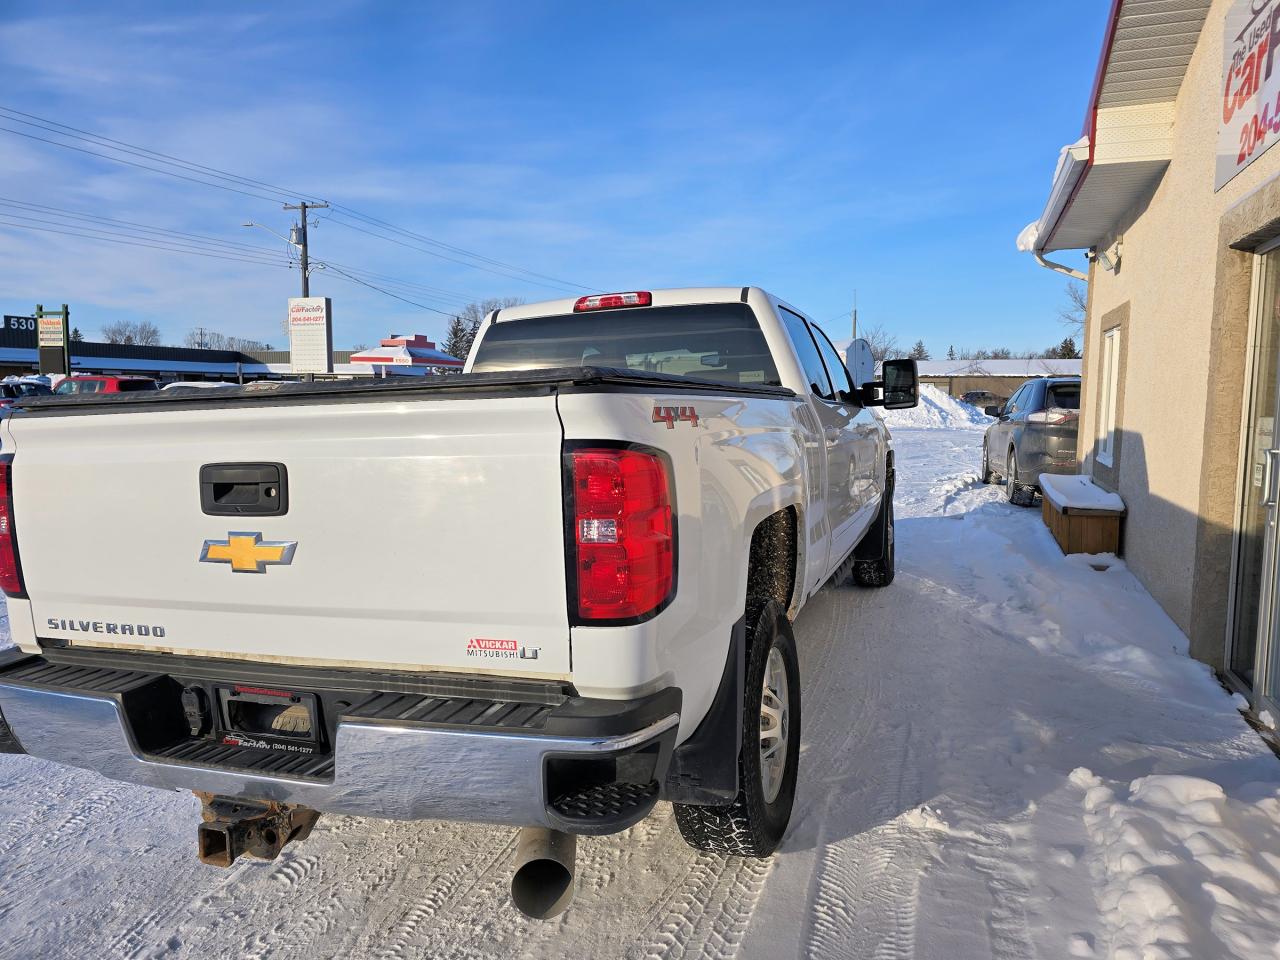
{"x":612,"y":301}
{"x":10,"y":567}
{"x":623,"y":533}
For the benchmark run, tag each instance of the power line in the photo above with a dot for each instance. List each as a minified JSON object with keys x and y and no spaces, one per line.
{"x":138,"y":242}
{"x":432,"y":253}
{"x":53,"y":126}
{"x":137,"y":234}
{"x":141,"y":166}
{"x":145,"y":228}
{"x":204,"y":173}
{"x":365,"y":283}
{"x":454,"y":249}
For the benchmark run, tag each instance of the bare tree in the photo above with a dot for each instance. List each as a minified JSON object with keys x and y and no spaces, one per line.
{"x":465,"y":326}
{"x":1077,"y":305}
{"x":884,"y":345}
{"x":1001,"y":353}
{"x":204,"y":339}
{"x":140,"y":333}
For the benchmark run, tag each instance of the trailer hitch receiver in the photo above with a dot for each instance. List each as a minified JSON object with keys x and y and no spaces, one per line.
{"x":235,"y":827}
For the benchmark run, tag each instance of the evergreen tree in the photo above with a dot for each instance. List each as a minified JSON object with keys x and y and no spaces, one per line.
{"x":1067,"y":350}
{"x":951,"y":353}
{"x":76,"y":335}
{"x":918,"y":352}
{"x":457,"y":342}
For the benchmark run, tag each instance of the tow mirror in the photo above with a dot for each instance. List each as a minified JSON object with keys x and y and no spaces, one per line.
{"x":901,"y":384}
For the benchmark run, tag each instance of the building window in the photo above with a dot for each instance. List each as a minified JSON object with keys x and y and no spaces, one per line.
{"x":1110,"y":387}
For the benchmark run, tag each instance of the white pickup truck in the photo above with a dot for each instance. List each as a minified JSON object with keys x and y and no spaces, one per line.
{"x":545,"y":593}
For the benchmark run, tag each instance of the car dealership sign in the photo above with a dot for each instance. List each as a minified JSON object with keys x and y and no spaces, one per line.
{"x":1250,"y":120}
{"x":311,"y":334}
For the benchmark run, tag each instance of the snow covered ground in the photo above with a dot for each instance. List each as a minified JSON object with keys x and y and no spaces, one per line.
{"x":1006,"y":754}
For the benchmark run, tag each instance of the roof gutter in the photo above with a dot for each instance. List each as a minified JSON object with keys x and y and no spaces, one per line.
{"x":1072,"y":172}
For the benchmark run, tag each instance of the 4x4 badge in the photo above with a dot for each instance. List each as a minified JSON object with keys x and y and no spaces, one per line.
{"x":248,"y":552}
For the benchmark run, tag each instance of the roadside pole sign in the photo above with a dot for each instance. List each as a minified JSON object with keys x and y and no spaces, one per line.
{"x":53,"y":339}
{"x":311,"y":334}
{"x":50,"y":331}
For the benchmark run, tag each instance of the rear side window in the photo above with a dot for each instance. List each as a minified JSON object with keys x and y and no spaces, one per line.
{"x":1064,"y":396}
{"x":131,"y":386}
{"x":807,"y":353}
{"x":720,"y":342}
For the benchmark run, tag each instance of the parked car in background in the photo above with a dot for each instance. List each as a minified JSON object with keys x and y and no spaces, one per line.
{"x":1034,"y":433}
{"x":104,"y":384}
{"x":16,"y":388}
{"x":983,"y":398}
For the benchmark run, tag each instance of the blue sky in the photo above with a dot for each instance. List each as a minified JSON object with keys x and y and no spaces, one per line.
{"x":809,"y":148}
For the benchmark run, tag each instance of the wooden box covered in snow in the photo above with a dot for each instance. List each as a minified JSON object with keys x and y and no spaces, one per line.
{"x":1082,"y":517}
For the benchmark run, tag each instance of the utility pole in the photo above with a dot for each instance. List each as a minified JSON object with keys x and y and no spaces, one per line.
{"x":301,"y":239}
{"x":855,"y":314}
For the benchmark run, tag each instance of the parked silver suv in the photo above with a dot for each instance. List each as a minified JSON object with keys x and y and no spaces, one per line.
{"x":1034,"y":433}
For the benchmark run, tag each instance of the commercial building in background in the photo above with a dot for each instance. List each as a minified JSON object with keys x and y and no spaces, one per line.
{"x":1173,"y":193}
{"x":1000,"y":378}
{"x":19,"y":357}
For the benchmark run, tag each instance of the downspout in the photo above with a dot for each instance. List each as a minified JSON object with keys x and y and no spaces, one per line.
{"x":1059,"y":267}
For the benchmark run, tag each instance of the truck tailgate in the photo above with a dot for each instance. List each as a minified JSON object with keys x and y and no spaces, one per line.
{"x":429,"y":533}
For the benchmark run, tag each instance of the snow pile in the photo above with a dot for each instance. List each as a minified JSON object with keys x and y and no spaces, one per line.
{"x":1076,"y":492}
{"x":938,"y":411}
{"x":1182,"y":869}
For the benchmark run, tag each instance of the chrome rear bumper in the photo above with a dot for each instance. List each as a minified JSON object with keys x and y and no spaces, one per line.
{"x":400,"y":772}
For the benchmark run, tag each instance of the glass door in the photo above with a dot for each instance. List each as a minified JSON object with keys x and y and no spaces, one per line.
{"x":1254,"y":601}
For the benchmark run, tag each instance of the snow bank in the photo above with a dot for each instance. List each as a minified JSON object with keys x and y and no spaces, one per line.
{"x":1182,"y":869}
{"x":938,"y":411}
{"x":1077,"y":493}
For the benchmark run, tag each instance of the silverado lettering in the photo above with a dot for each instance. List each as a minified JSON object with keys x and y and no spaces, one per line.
{"x":104,"y":626}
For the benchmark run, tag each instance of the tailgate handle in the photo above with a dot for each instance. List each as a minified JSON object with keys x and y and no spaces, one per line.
{"x":244,"y":489}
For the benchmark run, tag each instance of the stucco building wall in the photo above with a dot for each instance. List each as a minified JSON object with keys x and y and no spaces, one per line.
{"x":1177,"y":297}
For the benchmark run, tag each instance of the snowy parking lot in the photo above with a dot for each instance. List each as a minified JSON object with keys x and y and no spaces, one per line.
{"x":1006,"y":753}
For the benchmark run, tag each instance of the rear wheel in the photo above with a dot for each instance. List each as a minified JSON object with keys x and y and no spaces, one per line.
{"x":754,"y":823}
{"x":1019,"y":493}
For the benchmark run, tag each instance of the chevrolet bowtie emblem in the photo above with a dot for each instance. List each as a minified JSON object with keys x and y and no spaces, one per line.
{"x":248,"y":552}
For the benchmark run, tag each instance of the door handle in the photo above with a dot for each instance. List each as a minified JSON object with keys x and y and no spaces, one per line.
{"x":1269,"y":478}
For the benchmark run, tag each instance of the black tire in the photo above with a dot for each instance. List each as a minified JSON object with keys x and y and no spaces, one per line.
{"x":879,"y":573}
{"x":1019,"y":494}
{"x":752,"y":825}
{"x":986,"y":475}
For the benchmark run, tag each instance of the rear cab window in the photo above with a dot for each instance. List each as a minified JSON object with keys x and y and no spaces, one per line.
{"x":131,"y":386}
{"x":721,"y":342}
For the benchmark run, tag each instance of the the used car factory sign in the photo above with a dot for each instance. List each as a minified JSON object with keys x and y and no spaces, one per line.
{"x":311,"y":334}
{"x":1250,"y":121}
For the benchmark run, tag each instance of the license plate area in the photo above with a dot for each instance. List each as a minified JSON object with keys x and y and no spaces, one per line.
{"x":269,"y":719}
